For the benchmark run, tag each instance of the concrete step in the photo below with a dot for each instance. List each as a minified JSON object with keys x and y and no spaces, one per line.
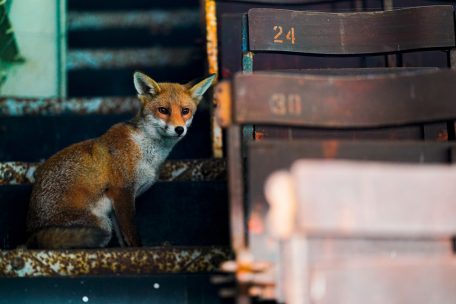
{"x":118,"y":81}
{"x":14,"y":106}
{"x":113,"y":261}
{"x":156,"y":20}
{"x":134,"y":29}
{"x":107,"y":42}
{"x":175,"y":213}
{"x":132,"y":58}
{"x":49,"y":125}
{"x":191,"y":170}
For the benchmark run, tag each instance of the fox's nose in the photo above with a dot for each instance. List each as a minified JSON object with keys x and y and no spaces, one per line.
{"x":179,"y":130}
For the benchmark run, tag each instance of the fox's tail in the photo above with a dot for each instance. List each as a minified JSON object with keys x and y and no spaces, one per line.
{"x":68,"y":237}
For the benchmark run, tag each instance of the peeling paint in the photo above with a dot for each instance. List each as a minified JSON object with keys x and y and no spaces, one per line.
{"x":16,"y":173}
{"x":12,"y":106}
{"x":125,"y":261}
{"x":20,"y":173}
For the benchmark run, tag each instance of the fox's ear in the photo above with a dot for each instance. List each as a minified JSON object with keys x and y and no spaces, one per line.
{"x":145,"y":85}
{"x":197,"y":91}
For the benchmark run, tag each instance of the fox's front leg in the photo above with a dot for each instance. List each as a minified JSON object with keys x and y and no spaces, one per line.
{"x":123,"y":202}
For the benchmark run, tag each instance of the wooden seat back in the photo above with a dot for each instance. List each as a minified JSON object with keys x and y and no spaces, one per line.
{"x":351,"y":33}
{"x":340,"y":202}
{"x":370,"y":200}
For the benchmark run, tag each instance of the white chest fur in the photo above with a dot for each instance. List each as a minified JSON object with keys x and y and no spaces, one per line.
{"x":153,"y":154}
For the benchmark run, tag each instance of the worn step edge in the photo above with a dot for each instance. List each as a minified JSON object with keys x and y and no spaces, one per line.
{"x":15,"y":106}
{"x":153,"y":20}
{"x":134,"y":58}
{"x":112,"y":261}
{"x":22,"y":173}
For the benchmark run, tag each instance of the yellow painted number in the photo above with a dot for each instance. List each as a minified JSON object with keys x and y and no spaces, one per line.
{"x":285,"y":104}
{"x":289,"y":36}
{"x":279,"y":31}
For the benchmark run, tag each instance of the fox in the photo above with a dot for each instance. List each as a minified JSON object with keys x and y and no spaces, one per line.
{"x":87,"y":190}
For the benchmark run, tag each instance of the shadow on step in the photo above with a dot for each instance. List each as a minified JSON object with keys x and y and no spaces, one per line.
{"x":171,"y":213}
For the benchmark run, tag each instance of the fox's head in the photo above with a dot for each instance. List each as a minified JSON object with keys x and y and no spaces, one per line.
{"x":167,"y":109}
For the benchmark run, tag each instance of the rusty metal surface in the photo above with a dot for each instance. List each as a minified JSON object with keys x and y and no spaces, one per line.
{"x":210,"y":17}
{"x":18,"y":173}
{"x":222,"y":100}
{"x":131,"y":58}
{"x":342,"y":33}
{"x":14,"y":106}
{"x":211,"y":35}
{"x":132,"y":261}
{"x":153,"y":20}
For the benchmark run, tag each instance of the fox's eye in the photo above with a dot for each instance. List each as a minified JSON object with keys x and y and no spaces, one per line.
{"x":185,"y":111}
{"x":163,"y":111}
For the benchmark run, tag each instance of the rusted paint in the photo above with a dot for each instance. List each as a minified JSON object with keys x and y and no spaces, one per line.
{"x":259,"y":135}
{"x":222,"y":99}
{"x":210,"y":15}
{"x":112,"y":261}
{"x":145,"y":57}
{"x":330,"y":148}
{"x":13,"y":106}
{"x":442,"y":136}
{"x":217,"y":138}
{"x":221,"y":115}
{"x":211,"y":35}
{"x":20,"y":173}
{"x":153,"y":20}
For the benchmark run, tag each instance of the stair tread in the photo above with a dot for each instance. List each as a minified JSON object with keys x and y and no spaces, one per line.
{"x":175,"y":213}
{"x":125,"y":261}
{"x":135,"y":58}
{"x":48,"y":134}
{"x":22,"y":173}
{"x":154,"y":20}
{"x":118,"y":81}
{"x":16,"y":106}
{"x":19,"y":106}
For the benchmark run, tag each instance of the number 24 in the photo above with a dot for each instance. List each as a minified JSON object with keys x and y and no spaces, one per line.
{"x":289,"y":36}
